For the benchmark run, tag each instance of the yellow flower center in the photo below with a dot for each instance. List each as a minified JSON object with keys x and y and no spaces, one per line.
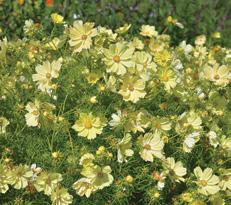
{"x":88,"y":124}
{"x":147,"y":146}
{"x":165,"y":78}
{"x":216,"y":77}
{"x":158,"y":125}
{"x":131,"y":87}
{"x":35,"y":112}
{"x":116,"y":59}
{"x":202,"y":182}
{"x":48,"y":75}
{"x":84,"y":37}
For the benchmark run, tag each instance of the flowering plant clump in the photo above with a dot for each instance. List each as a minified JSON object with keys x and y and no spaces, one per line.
{"x":108,"y":117}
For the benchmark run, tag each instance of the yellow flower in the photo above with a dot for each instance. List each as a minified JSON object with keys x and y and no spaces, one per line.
{"x":118,"y":58}
{"x":124,"y":149}
{"x":168,"y":78}
{"x":32,"y":117}
{"x":136,"y":43}
{"x":132,"y":89}
{"x":84,"y":187}
{"x":100,"y":177}
{"x":144,"y":64}
{"x":216,"y":35}
{"x":19,"y":176}
{"x":46,"y":182}
{"x":88,"y":126}
{"x":45,"y":73}
{"x":206,"y":181}
{"x":3,"y":124}
{"x":56,"y":18}
{"x":151,"y":145}
{"x":160,"y":124}
{"x":60,"y":196}
{"x":161,"y":57}
{"x":81,"y":35}
{"x":148,"y":31}
{"x":86,"y":159}
{"x":219,"y":75}
{"x":225,"y":182}
{"x":176,"y":169}
{"x":200,"y":40}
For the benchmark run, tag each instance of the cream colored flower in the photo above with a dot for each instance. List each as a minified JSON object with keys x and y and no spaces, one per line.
{"x":84,"y":187}
{"x":19,"y":176}
{"x":100,"y":177}
{"x":225,"y":182}
{"x":148,"y":31}
{"x":88,"y":126}
{"x":60,"y":196}
{"x":200,"y":40}
{"x":46,"y":182}
{"x":118,"y":58}
{"x":190,"y":141}
{"x":32,"y":117}
{"x":123,"y":29}
{"x":86,"y":159}
{"x":206,"y":181}
{"x":160,"y":124}
{"x":3,"y":124}
{"x":213,"y":138}
{"x":144,"y":64}
{"x":175,"y":169}
{"x":56,"y":18}
{"x":136,"y":43}
{"x":124,"y":149}
{"x":151,"y":145}
{"x":132,"y":89}
{"x":168,"y":78}
{"x":81,"y":35}
{"x":45,"y":73}
{"x":219,"y":75}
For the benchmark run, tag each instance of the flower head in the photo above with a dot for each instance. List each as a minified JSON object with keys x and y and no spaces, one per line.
{"x":118,"y":58}
{"x":56,"y":18}
{"x":60,"y":196}
{"x":151,"y":145}
{"x":3,"y":179}
{"x":3,"y":124}
{"x":149,"y":31}
{"x":32,"y":117}
{"x":88,"y":126}
{"x":81,"y":35}
{"x":206,"y":181}
{"x":45,"y":73}
{"x":124,"y":149}
{"x":84,"y":187}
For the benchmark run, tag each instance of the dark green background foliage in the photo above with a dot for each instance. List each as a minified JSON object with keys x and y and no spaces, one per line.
{"x":198,"y":16}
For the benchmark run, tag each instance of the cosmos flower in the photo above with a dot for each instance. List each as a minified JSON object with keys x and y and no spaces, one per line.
{"x":19,"y":176}
{"x":132,"y":89}
{"x":151,"y":146}
{"x":60,"y":196}
{"x":118,"y":58}
{"x":81,"y":35}
{"x":149,"y":31}
{"x":88,"y":126}
{"x":45,"y":73}
{"x":84,"y":187}
{"x":3,"y":179}
{"x":32,"y":117}
{"x":124,"y":149}
{"x":207,"y":182}
{"x":100,"y":177}
{"x":175,"y":169}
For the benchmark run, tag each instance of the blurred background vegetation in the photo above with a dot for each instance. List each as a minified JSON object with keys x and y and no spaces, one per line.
{"x":197,"y":16}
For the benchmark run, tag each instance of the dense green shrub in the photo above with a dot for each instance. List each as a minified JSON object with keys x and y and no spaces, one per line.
{"x":197,"y":16}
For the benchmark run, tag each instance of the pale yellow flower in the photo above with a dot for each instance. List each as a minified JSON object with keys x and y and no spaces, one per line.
{"x":123,"y":29}
{"x":168,"y":78}
{"x":151,"y":146}
{"x":118,"y":58}
{"x":32,"y":117}
{"x":149,"y":31}
{"x":84,"y":187}
{"x":88,"y":126}
{"x":81,"y":35}
{"x":132,"y":89}
{"x":45,"y":73}
{"x":3,"y":179}
{"x":206,"y":181}
{"x":19,"y":176}
{"x":175,"y":169}
{"x":60,"y":196}
{"x":225,"y":182}
{"x":86,"y":159}
{"x":3,"y":124}
{"x":124,"y":149}
{"x":160,"y":124}
{"x":219,"y":75}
